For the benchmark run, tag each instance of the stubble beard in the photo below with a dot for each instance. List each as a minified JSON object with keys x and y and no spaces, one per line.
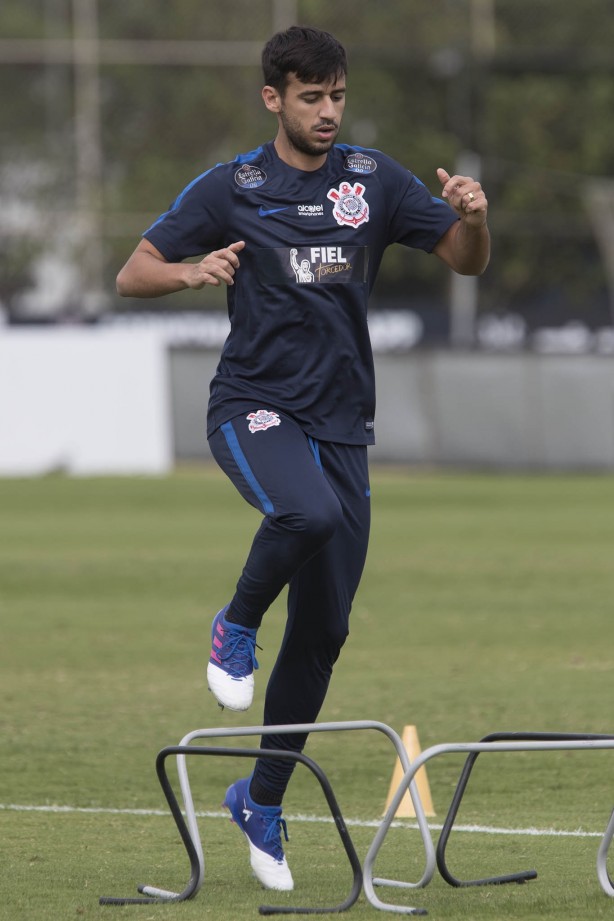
{"x":298,"y":140}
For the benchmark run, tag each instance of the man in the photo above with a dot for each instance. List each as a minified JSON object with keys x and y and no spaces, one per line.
{"x":296,"y":229}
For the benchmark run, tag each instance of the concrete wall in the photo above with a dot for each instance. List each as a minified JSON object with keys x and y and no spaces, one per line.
{"x":190,"y":372}
{"x":470,"y":409}
{"x":85,"y":401}
{"x":91,"y":401}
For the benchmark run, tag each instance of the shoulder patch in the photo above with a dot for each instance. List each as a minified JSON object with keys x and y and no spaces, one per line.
{"x":250,"y":177}
{"x":360,"y":163}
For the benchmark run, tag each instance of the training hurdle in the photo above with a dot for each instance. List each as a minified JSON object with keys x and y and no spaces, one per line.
{"x":518,"y":877}
{"x":194,"y":848}
{"x":525,"y":742}
{"x":190,"y":833}
{"x":362,"y":877}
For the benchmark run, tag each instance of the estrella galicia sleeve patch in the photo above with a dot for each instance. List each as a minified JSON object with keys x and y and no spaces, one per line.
{"x":313,"y":265}
{"x":250,"y":177}
{"x":360,"y":163}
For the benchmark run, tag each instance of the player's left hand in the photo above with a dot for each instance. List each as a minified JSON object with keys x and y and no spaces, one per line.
{"x":466,"y":196}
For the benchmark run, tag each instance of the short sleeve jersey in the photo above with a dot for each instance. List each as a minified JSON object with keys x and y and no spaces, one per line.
{"x":299,"y":339}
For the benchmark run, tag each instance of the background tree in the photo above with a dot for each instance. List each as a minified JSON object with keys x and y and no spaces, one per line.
{"x":525,"y":83}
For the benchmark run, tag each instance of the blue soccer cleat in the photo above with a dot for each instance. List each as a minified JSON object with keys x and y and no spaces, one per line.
{"x":262,"y":826}
{"x":230,"y":671}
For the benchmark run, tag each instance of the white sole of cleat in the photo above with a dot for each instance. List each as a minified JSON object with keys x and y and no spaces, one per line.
{"x":233,"y":693}
{"x":270,"y":873}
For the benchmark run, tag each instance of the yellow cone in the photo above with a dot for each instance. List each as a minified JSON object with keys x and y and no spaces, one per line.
{"x":406,"y":807}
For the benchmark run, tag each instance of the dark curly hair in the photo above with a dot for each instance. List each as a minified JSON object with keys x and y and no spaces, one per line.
{"x":313,"y":55}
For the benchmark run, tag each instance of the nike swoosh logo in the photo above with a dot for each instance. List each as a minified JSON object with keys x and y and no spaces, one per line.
{"x":264,"y":212}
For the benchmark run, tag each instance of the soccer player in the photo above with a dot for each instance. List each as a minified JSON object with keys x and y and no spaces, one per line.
{"x":296,"y":230}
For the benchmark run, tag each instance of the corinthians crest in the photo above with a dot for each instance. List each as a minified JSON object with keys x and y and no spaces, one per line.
{"x":350,"y":206}
{"x":262,"y":420}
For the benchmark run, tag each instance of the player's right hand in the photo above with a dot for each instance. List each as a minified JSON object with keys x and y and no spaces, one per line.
{"x":217,"y":267}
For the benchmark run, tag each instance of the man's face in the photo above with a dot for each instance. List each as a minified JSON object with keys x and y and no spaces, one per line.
{"x":310,"y":114}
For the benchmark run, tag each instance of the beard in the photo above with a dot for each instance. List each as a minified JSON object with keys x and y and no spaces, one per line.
{"x":297,"y":137}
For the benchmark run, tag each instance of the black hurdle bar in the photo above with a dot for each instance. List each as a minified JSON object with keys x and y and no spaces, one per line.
{"x":192,"y":884}
{"x":524,"y":875}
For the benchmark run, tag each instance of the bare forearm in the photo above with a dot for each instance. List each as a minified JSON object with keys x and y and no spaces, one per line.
{"x":469,"y":253}
{"x":465,"y":247}
{"x":148,"y":274}
{"x":144,"y":275}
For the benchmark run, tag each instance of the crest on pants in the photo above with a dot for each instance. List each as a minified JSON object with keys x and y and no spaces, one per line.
{"x":262,"y":419}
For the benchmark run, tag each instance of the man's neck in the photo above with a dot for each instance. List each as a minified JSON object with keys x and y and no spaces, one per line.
{"x":296,"y":158}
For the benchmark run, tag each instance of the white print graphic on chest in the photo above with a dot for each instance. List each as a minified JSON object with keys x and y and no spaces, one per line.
{"x":328,"y":259}
{"x":310,"y":210}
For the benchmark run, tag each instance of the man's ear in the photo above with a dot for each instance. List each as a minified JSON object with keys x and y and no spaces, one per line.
{"x":272,"y":99}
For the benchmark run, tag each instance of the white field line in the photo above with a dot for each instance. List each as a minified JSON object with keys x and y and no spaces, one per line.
{"x":358,"y":823}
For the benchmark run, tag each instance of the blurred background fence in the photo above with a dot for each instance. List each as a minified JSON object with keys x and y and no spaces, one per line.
{"x":108,"y":109}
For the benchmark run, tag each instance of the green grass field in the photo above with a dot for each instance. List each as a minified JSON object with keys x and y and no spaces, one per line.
{"x":486,"y":605}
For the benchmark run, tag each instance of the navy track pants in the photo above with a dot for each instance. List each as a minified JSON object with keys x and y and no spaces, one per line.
{"x":315,"y":497}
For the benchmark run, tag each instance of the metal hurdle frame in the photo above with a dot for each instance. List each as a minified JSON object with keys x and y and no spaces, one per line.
{"x":518,"y":877}
{"x":585,"y":744}
{"x":190,"y":833}
{"x":153,"y":894}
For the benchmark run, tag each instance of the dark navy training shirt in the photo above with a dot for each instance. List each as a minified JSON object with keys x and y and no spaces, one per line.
{"x":299,"y":341}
